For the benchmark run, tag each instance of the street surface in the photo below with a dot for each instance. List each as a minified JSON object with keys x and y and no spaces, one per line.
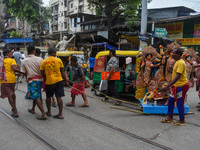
{"x":98,"y":127}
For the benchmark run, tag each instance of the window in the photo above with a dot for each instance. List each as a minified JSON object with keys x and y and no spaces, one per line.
{"x":72,"y":5}
{"x":65,"y":24}
{"x":87,"y":27}
{"x":56,"y":17}
{"x":80,"y":9}
{"x":65,"y":2}
{"x":78,"y":21}
{"x":61,"y":3}
{"x":65,"y":13}
{"x":94,"y":26}
{"x":56,"y":8}
{"x":72,"y":23}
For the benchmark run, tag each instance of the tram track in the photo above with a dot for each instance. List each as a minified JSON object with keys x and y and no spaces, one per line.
{"x":27,"y":130}
{"x":148,"y":141}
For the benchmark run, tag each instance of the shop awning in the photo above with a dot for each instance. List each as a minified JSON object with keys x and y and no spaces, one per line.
{"x":17,"y":40}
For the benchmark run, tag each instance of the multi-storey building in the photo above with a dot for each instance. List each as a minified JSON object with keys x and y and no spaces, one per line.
{"x":68,"y":15}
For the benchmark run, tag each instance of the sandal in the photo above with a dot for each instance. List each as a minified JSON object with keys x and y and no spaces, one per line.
{"x":48,"y":114}
{"x":104,"y":100}
{"x":84,"y":106}
{"x":31,"y":111}
{"x":69,"y":105}
{"x":41,"y":118}
{"x":53,"y":105}
{"x":58,"y":117}
{"x":166,"y":120}
{"x":15,"y":115}
{"x":178,"y":123}
{"x":118,"y":103}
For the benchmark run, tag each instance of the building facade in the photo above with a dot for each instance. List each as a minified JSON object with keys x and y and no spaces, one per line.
{"x":67,"y":15}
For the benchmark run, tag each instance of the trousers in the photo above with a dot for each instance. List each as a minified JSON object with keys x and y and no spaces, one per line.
{"x":178,"y":94}
{"x":111,"y":90}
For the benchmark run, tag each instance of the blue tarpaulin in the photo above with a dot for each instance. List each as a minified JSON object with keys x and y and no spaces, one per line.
{"x":108,"y":47}
{"x":17,"y":40}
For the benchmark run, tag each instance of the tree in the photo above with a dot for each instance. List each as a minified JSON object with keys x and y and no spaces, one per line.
{"x":15,"y":34}
{"x":2,"y":26}
{"x":114,"y":8}
{"x":25,"y":10}
{"x":43,"y":19}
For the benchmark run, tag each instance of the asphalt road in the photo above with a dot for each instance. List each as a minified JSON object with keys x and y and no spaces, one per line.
{"x":95,"y":128}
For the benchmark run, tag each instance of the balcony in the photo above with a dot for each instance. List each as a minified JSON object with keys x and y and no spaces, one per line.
{"x":55,"y":12}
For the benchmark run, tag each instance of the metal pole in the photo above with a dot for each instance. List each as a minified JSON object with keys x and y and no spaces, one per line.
{"x":40,"y":25}
{"x":58,"y":21}
{"x":143,"y":23}
{"x":40,"y":13}
{"x":152,"y":37}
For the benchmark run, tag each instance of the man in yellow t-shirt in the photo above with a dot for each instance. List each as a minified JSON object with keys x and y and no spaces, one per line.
{"x":52,"y":70}
{"x":179,"y":87}
{"x":8,"y":87}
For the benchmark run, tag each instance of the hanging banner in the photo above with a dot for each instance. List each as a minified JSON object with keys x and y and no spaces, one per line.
{"x":99,"y":65}
{"x":189,"y":41}
{"x":175,"y":30}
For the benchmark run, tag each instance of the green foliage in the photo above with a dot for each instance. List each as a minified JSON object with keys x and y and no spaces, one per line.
{"x":23,"y":9}
{"x":15,"y":34}
{"x":114,"y":8}
{"x":27,"y":10}
{"x":46,"y":14}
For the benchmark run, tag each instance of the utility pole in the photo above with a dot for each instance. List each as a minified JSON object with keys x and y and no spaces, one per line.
{"x":143,"y":30}
{"x":76,"y":23}
{"x":153,"y":33}
{"x":40,"y":14}
{"x":59,"y":6}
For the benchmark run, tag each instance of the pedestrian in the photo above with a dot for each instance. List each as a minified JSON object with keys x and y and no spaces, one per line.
{"x":197,"y":71}
{"x":179,"y":87}
{"x":31,"y":67}
{"x":52,"y":70}
{"x":112,"y":66}
{"x":38,"y":51}
{"x":8,"y":86}
{"x":129,"y":74}
{"x":18,"y":56}
{"x":79,"y":82}
{"x":23,"y":56}
{"x":91,"y":62}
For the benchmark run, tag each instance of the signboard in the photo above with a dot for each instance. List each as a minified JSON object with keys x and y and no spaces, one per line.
{"x":160,"y":32}
{"x":197,"y":30}
{"x":175,"y":30}
{"x":143,"y":38}
{"x":189,"y":41}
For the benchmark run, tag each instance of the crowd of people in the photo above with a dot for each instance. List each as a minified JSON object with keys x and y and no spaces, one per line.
{"x":48,"y":73}
{"x":174,"y":67}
